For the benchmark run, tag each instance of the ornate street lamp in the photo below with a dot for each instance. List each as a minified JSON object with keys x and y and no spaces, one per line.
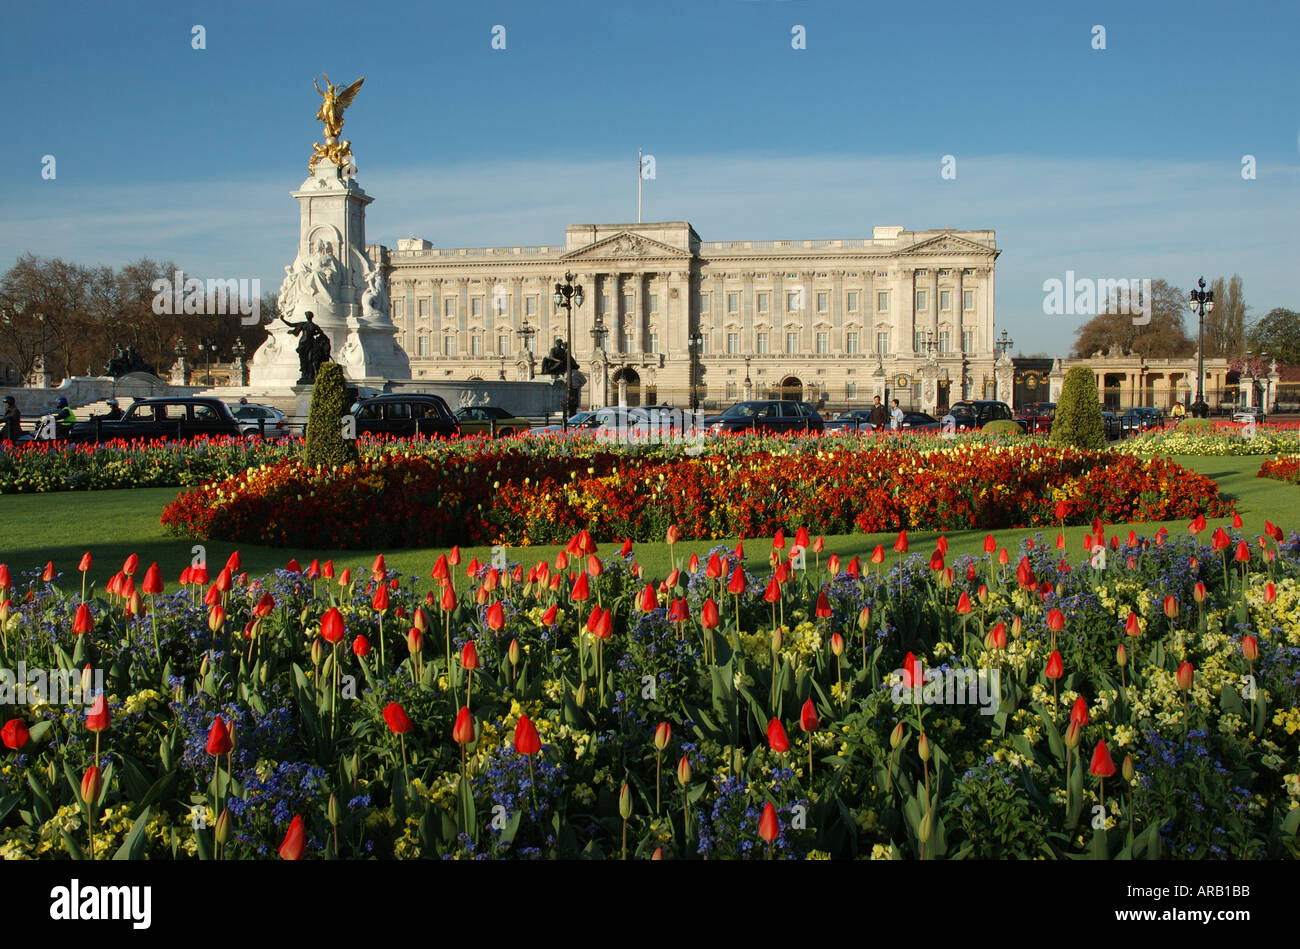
{"x":1201,"y":301}
{"x":209,"y":347}
{"x":1003,"y":344}
{"x":695,"y":345}
{"x":568,"y":295}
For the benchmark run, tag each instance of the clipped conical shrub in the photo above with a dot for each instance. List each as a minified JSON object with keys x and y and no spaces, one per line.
{"x":325,"y":445}
{"x":1078,"y":422}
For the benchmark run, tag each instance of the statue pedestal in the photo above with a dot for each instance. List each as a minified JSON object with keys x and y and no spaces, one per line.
{"x":302,"y":401}
{"x":332,"y":271}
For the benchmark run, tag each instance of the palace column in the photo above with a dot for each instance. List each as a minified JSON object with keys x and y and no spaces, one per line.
{"x":638,"y":313}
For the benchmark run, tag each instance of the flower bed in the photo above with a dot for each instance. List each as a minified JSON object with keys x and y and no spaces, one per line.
{"x":1282,"y":468}
{"x":498,"y":495}
{"x":1227,"y":438}
{"x":1140,"y":706}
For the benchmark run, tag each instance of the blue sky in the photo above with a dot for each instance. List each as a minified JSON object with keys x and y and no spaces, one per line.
{"x":1119,"y":162}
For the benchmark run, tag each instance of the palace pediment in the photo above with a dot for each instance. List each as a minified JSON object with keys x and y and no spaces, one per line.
{"x":627,"y":246}
{"x":947,"y":244}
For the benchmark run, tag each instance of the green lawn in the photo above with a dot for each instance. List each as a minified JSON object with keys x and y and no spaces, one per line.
{"x":112,"y":524}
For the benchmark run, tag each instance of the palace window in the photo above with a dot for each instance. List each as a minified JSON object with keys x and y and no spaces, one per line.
{"x":654,"y":342}
{"x":968,"y":299}
{"x":945,"y":341}
{"x":604,"y":303}
{"x":762,"y":302}
{"x":882,"y":343}
{"x":422,"y":307}
{"x":503,"y":345}
{"x":851,"y":343}
{"x":731,"y":392}
{"x":398,"y":307}
{"x":530,"y":306}
{"x":968,"y":341}
{"x":762,"y":344}
{"x":920,"y":299}
{"x":449,"y":306}
{"x":654,"y":303}
{"x":851,"y":302}
{"x":792,"y":343}
{"x":882,"y":300}
{"x":629,"y":303}
{"x":945,"y":299}
{"x":823,"y":343}
{"x":850,"y":390}
{"x":422,"y":346}
{"x":733,"y":302}
{"x":794,"y":301}
{"x":476,"y":306}
{"x":476,"y":345}
{"x":733,"y":344}
{"x":449,"y":345}
{"x":823,"y":302}
{"x":702,"y":302}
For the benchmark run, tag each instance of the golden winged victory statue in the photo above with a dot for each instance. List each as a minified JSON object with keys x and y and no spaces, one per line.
{"x":334,"y":100}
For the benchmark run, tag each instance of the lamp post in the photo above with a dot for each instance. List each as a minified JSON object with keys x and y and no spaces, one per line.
{"x":209,"y":347}
{"x":566,"y":297}
{"x":695,"y":343}
{"x":598,"y":334}
{"x":1003,"y":344}
{"x":749,"y":394}
{"x":526,"y":334}
{"x":1201,"y":301}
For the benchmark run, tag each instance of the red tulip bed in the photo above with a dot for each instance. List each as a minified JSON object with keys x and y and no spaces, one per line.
{"x":768,"y":703}
{"x":1281,"y":468}
{"x":499,"y":494}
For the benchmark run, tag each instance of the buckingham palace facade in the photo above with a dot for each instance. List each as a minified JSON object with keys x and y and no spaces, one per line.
{"x":833,"y":322}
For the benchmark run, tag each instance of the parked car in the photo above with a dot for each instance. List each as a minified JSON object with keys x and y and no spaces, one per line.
{"x":1141,"y":419}
{"x":859,"y":420}
{"x":163,"y":417}
{"x":398,"y":415}
{"x":1037,"y":416}
{"x":490,"y":420}
{"x":624,"y":424}
{"x":260,"y":421}
{"x":974,"y":414}
{"x":1113,"y":428}
{"x":1247,"y":413}
{"x":772,"y":415}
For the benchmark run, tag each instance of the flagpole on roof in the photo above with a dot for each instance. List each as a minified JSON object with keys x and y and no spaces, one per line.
{"x":638,"y":186}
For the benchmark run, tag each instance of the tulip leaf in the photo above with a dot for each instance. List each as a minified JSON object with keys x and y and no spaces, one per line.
{"x":72,"y":846}
{"x":1049,"y":729}
{"x":11,"y":801}
{"x":1076,"y":793}
{"x":41,"y":805}
{"x":133,"y":844}
{"x":37,"y":731}
{"x":160,"y":789}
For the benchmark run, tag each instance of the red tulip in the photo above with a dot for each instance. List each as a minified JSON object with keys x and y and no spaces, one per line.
{"x":998,"y":636}
{"x":963,"y":603}
{"x":526,"y":740}
{"x":936,"y":561}
{"x":14,"y":734}
{"x":1025,"y":574}
{"x":649,"y":601}
{"x":1003,"y":557}
{"x":1062,"y":509}
{"x":833,"y":564}
{"x":398,"y":721}
{"x":1219,"y":540}
{"x":808,"y":716}
{"x":496,"y":616}
{"x":1185,"y":675}
{"x":131,"y":565}
{"x":380,"y":600}
{"x":331,"y":625}
{"x":1102,"y":765}
{"x":768,"y":826}
{"x":1197,"y":525}
{"x":1171,"y":606}
{"x":219,"y":738}
{"x":663,"y":733}
{"x":295,"y":841}
{"x":1243,"y":552}
{"x":1250,"y":648}
{"x":819,"y":544}
{"x":626,"y":549}
{"x":265,"y":605}
{"x":776,"y":739}
{"x":990,"y":544}
{"x":1055,"y":620}
{"x":86,"y":562}
{"x":778,"y":542}
{"x":83,"y":622}
{"x":693,"y":565}
{"x":714,"y":569}
{"x":837,"y":644}
{"x":913,"y":674}
{"x":1270,"y":593}
{"x":92,"y":782}
{"x":313,"y":570}
{"x":98,"y":718}
{"x":549,"y":616}
{"x":327,"y":570}
{"x":453,"y":558}
{"x":463,"y":731}
{"x":48,"y":574}
{"x":737,"y":584}
{"x":773,"y":592}
{"x":1079,"y":712}
{"x":440,"y":571}
{"x":361,"y":647}
{"x":293,"y":566}
{"x":469,"y":656}
{"x":448,"y":602}
{"x":1199,"y":592}
{"x":801,"y":537}
{"x":604,"y":625}
{"x":1131,"y":625}
{"x":709,"y":615}
{"x":900,"y":544}
{"x":878,"y":555}
{"x":1055,"y":667}
{"x":378,"y":570}
{"x":1236,"y":521}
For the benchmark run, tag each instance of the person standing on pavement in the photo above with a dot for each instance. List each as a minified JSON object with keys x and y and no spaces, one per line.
{"x":896,"y":418}
{"x":878,"y":417}
{"x":11,"y":425}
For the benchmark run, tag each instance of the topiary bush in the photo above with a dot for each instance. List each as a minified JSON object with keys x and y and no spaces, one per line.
{"x":1078,"y":422}
{"x":1002,"y":426}
{"x":325,"y":445}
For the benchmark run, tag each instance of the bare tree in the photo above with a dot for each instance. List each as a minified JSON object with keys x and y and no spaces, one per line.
{"x":1117,"y":333}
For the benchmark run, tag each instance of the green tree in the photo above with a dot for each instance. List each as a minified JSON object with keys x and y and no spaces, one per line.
{"x":1225,"y":327}
{"x":325,"y":445}
{"x":1278,"y":334}
{"x":1164,"y":337}
{"x":1078,"y":422}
